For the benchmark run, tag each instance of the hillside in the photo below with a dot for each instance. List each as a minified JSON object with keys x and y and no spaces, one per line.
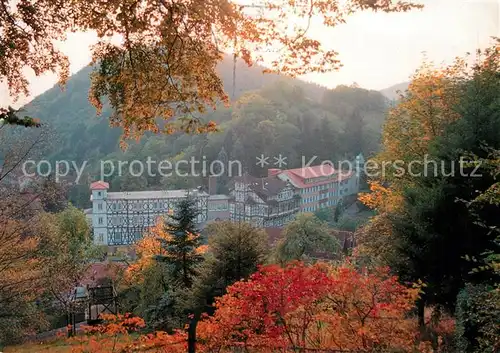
{"x":392,"y":92}
{"x":72,"y":116}
{"x":271,"y":115}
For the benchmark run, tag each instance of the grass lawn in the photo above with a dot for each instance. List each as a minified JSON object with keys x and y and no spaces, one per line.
{"x":57,"y":346}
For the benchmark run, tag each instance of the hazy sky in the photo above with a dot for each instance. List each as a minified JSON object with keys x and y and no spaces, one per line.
{"x":377,"y":50}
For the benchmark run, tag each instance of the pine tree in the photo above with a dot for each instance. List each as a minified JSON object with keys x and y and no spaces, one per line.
{"x":235,"y":252}
{"x":181,"y":249}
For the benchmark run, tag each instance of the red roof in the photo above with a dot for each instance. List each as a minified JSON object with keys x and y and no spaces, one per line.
{"x":298,"y":176}
{"x":313,"y":171}
{"x":99,"y":185}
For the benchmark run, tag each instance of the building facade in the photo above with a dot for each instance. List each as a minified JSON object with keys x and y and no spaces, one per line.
{"x":121,"y":218}
{"x":319,"y":186}
{"x":263,"y":202}
{"x":218,"y":208}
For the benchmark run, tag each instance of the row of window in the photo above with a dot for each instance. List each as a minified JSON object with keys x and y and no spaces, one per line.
{"x":318,"y":188}
{"x":285,"y":195}
{"x":319,"y":179}
{"x":218,"y":206}
{"x":136,"y":206}
{"x":316,"y":198}
{"x":313,"y":208}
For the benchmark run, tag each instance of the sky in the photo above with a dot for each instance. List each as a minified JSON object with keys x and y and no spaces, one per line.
{"x":377,"y":50}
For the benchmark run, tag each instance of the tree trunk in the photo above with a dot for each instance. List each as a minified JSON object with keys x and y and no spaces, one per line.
{"x":192,"y":334}
{"x":421,"y":315}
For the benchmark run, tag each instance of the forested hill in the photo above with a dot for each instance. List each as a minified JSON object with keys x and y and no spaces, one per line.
{"x":392,"y":92}
{"x":271,"y":115}
{"x":70,"y":113}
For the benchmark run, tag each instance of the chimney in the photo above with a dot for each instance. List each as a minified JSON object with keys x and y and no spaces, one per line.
{"x":212,"y":185}
{"x":273,"y":172}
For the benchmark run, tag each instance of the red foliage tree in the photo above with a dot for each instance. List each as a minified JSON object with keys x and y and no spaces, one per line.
{"x":310,"y":308}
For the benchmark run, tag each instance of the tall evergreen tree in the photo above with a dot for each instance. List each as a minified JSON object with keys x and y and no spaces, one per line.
{"x":181,"y":249}
{"x":235,"y":251}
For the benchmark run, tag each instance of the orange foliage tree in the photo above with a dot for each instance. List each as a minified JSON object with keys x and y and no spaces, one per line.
{"x":163,"y":61}
{"x":116,"y":334}
{"x":421,"y":115}
{"x":300,"y":308}
{"x":148,"y":248}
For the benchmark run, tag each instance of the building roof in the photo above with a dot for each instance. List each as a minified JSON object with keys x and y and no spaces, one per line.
{"x":263,"y":187}
{"x":154,"y":194}
{"x":313,"y":171}
{"x":218,"y":197}
{"x":299,"y":176}
{"x":99,"y":185}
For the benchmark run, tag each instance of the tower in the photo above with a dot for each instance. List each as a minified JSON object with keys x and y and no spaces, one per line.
{"x":98,"y":197}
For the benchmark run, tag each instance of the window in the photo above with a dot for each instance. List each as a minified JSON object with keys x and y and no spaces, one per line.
{"x":99,"y":220}
{"x":98,"y":193}
{"x":99,"y":206}
{"x":100,"y":238}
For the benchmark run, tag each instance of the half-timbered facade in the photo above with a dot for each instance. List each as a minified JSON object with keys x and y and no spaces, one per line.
{"x":121,"y":218}
{"x":263,"y":202}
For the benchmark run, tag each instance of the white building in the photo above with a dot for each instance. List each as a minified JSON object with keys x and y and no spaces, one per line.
{"x":322,"y":186}
{"x":121,"y":218}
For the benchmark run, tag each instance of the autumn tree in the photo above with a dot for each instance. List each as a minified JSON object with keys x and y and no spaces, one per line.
{"x":433,"y":218}
{"x":422,"y":211}
{"x":423,"y":112}
{"x":164,"y":60}
{"x":305,"y":237}
{"x":300,"y":308}
{"x":168,"y":260}
{"x":21,"y":263}
{"x":20,"y":270}
{"x":148,"y":289}
{"x":478,"y":305}
{"x":66,"y":250}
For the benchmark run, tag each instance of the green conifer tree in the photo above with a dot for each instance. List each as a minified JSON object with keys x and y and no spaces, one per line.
{"x":181,"y":253}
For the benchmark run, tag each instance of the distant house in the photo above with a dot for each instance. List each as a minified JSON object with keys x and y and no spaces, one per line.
{"x":274,"y":200}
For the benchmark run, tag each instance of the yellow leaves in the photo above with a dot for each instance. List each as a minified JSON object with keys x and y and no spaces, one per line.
{"x":149,"y":247}
{"x":380,"y":198}
{"x":165,"y":64}
{"x":423,"y":112}
{"x":202,"y":249}
{"x":146,"y":249}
